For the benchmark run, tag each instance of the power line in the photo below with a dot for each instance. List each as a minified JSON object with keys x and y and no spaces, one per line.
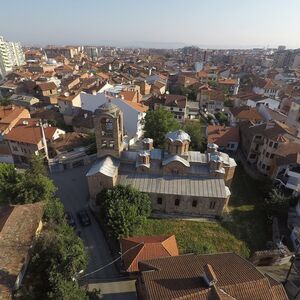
{"x":112,"y":262}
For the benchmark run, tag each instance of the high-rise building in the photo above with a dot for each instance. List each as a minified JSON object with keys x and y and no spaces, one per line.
{"x":11,"y":54}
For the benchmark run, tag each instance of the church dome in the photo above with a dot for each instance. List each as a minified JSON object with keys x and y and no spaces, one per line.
{"x":178,"y":135}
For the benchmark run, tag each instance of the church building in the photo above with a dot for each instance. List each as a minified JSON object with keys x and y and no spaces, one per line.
{"x":177,"y":180}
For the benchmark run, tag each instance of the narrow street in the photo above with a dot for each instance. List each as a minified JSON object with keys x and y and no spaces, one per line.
{"x":73,"y":192}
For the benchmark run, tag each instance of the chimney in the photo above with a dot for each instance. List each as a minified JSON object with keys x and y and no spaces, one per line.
{"x":209,"y":275}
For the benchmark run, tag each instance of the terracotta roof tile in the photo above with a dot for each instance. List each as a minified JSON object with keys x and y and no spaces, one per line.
{"x":181,"y":277}
{"x":146,"y":247}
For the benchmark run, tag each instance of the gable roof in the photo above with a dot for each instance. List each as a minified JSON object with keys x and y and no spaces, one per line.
{"x":221,"y":135}
{"x":45,"y":86}
{"x":26,"y":131}
{"x":245,"y":113}
{"x":182,"y":277}
{"x":18,"y":226}
{"x":146,"y":247}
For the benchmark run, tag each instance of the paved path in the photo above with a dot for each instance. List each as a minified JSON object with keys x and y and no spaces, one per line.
{"x":73,"y":192}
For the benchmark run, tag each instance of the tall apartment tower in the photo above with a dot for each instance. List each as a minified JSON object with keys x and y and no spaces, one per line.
{"x":11,"y":54}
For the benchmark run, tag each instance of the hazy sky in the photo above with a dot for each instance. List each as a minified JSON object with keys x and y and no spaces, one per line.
{"x":206,"y":23}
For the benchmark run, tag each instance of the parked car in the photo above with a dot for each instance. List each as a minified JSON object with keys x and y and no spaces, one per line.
{"x":70,"y":219}
{"x":84,"y":218}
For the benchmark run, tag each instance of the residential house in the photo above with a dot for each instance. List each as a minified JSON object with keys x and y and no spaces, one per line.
{"x":266,"y":87}
{"x":178,"y":181}
{"x":19,"y":226}
{"x":9,"y":117}
{"x":68,"y":104}
{"x":293,"y":117}
{"x":139,"y":248}
{"x":25,"y":139}
{"x":133,"y":112}
{"x":243,"y":113}
{"x":210,"y":100}
{"x":202,"y":277}
{"x":47,"y":91}
{"x":263,"y":143}
{"x":230,"y":84}
{"x":176,"y":104}
{"x":227,"y":138}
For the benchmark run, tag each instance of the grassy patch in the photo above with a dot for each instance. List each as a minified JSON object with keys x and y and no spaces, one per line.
{"x":243,"y":230}
{"x":196,"y":237}
{"x":249,"y":222}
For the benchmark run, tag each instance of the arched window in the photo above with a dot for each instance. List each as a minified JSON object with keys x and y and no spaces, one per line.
{"x":107,"y":127}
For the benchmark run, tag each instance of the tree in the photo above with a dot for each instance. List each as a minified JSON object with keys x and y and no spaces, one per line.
{"x":37,"y":166}
{"x":54,"y":211}
{"x":213,"y":84}
{"x":157,"y":123}
{"x":5,"y":101}
{"x":123,"y":209}
{"x":276,"y":203}
{"x":34,"y":188}
{"x":195,"y":130}
{"x":58,"y":256}
{"x":8,"y":181}
{"x":221,"y":117}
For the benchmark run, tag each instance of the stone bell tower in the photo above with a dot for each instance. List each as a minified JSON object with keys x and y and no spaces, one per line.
{"x":108,"y":123}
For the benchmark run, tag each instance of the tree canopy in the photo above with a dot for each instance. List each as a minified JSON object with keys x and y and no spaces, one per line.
{"x":157,"y":123}
{"x":195,"y":130}
{"x":30,"y":186}
{"x":123,"y":209}
{"x":58,"y":256}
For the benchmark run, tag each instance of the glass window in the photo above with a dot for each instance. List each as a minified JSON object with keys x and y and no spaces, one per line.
{"x":159,"y":200}
{"x":177,"y":202}
{"x":194,"y":203}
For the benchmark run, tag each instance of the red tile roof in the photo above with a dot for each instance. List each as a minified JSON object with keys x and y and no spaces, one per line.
{"x":18,"y":226}
{"x":221,"y":135}
{"x":182,"y":278}
{"x":146,"y":247}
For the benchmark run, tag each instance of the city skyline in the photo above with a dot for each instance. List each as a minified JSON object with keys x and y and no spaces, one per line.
{"x":171,"y":24}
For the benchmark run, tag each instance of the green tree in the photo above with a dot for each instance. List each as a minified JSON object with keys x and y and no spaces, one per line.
{"x":157,"y":123}
{"x":123,"y":209}
{"x":54,"y":211}
{"x":198,"y":140}
{"x":276,"y":203}
{"x":57,"y":258}
{"x":5,"y":101}
{"x":213,"y":84}
{"x":221,"y":117}
{"x":8,"y":181}
{"x":33,"y":189}
{"x":37,"y":166}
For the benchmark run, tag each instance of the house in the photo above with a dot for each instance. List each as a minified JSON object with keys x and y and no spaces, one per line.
{"x":24,"y":101}
{"x":158,"y":88}
{"x":47,"y":91}
{"x":9,"y":117}
{"x":293,"y":117}
{"x":176,"y":104}
{"x":178,"y":181}
{"x":19,"y":225}
{"x":263,"y":143}
{"x":227,"y":138}
{"x":231,"y":84}
{"x":138,"y":248}
{"x":133,"y":112}
{"x":25,"y":139}
{"x":210,"y":100}
{"x":68,"y":104}
{"x":203,"y":277}
{"x":266,"y":87}
{"x":243,"y":113}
